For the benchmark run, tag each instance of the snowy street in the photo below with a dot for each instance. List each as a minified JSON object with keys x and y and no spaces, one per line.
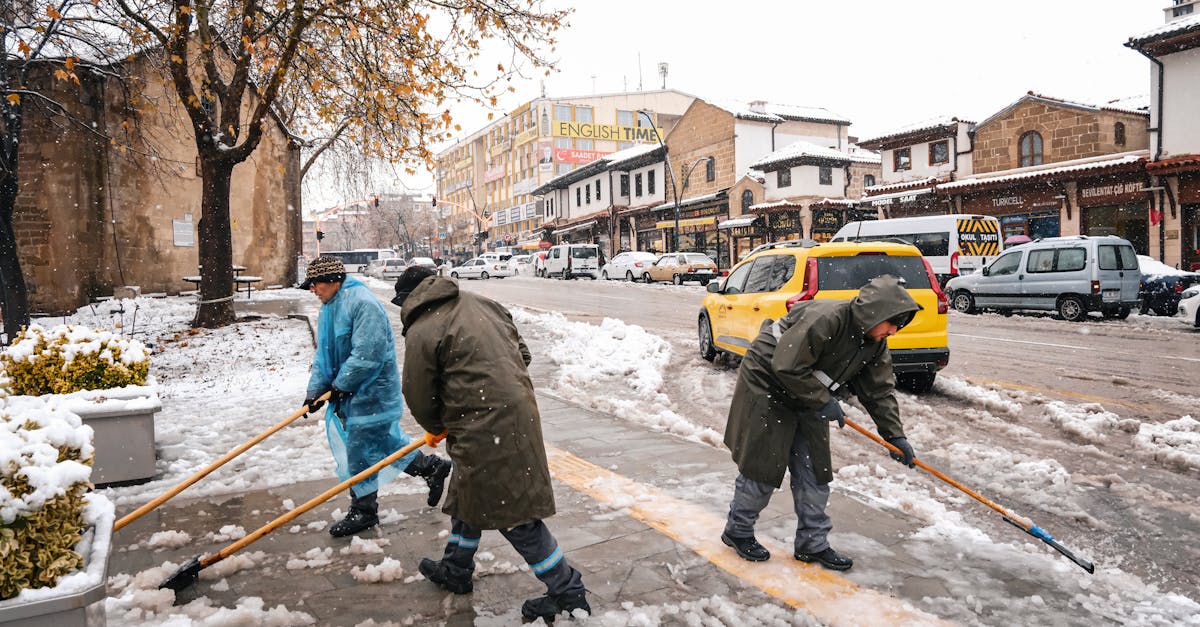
{"x":1114,"y":484}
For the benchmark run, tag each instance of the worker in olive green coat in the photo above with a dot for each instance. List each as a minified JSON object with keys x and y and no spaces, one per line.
{"x":786,"y":394}
{"x":465,"y":374}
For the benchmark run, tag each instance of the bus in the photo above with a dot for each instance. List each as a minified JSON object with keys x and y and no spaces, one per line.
{"x":356,"y":260}
{"x":954,"y":244}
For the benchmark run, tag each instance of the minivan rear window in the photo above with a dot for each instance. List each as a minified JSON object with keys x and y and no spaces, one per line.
{"x":851,"y":273}
{"x":583,"y":252}
{"x":1117,"y":257}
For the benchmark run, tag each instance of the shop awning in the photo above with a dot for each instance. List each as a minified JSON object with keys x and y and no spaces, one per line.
{"x":574,"y":227}
{"x":670,"y":224}
{"x":738,"y":222}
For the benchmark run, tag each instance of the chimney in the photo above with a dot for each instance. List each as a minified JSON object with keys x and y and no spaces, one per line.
{"x":758,"y":106}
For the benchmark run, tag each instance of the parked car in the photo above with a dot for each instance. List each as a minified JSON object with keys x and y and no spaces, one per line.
{"x":521,"y":264}
{"x":386,"y":268}
{"x":480,"y":268}
{"x":1189,"y":306}
{"x":1162,"y":286}
{"x":774,"y":277}
{"x":952,"y":244}
{"x":1070,"y":275}
{"x":680,"y":267}
{"x":628,"y":265}
{"x":425,"y":262}
{"x":568,"y":261}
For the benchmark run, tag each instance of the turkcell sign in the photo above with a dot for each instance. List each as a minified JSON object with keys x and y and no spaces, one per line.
{"x":606,"y":132}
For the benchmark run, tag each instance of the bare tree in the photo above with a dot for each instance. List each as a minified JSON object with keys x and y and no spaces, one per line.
{"x":378,"y":72}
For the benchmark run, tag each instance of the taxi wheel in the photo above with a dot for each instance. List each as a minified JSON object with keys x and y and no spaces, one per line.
{"x":707,"y":351}
{"x":646,"y":277}
{"x":677,"y":280}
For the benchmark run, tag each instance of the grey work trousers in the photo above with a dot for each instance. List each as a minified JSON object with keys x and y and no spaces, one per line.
{"x":532,"y":540}
{"x":808,"y":497}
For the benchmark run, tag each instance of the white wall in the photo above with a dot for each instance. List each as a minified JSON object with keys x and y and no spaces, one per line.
{"x":660,"y":182}
{"x":805,"y":182}
{"x":585,"y":205}
{"x":751,"y":142}
{"x":1181,"y":133}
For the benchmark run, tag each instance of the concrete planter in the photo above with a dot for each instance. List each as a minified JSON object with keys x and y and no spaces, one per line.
{"x":78,"y":599}
{"x":123,"y":422}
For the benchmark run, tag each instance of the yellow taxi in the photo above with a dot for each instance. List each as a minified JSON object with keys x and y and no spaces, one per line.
{"x":774,"y":277}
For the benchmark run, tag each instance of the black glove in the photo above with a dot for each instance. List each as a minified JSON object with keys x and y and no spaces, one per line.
{"x":909,"y":457}
{"x":337,"y":395}
{"x":833,"y":411}
{"x":311,"y":404}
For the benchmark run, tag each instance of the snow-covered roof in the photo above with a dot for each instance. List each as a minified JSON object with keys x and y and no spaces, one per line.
{"x":775,"y":204}
{"x":926,"y":125}
{"x":858,"y":154}
{"x":1063,"y":167}
{"x":763,"y":111}
{"x":1170,"y":29}
{"x":1031,"y":95}
{"x":734,"y":223}
{"x":691,"y":201}
{"x":1129,"y":104}
{"x":607,"y":162}
{"x":621,"y":157}
{"x":883,"y":189}
{"x":798,"y":151}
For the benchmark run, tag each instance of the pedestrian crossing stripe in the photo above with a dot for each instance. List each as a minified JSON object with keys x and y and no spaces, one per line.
{"x":978,"y":238}
{"x":831,"y":598}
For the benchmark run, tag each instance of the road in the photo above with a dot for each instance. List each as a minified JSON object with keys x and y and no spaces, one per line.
{"x":1050,"y":415}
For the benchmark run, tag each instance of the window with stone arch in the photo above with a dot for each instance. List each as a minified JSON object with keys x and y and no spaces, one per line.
{"x":1031,"y":149}
{"x":747,"y":199}
{"x":1119,"y":133}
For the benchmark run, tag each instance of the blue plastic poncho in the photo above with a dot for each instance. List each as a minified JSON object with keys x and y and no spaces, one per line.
{"x":356,"y":352}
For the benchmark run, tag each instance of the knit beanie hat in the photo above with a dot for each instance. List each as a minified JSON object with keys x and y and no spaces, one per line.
{"x":324,"y":270}
{"x":409,"y":281}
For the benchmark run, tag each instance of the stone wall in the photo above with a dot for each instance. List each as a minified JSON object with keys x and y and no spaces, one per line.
{"x":703,"y":131}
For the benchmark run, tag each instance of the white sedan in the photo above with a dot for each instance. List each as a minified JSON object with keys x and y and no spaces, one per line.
{"x":627,"y":265}
{"x":478,"y":268}
{"x":1189,"y":306}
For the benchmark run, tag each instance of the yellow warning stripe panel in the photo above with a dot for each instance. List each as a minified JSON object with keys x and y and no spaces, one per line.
{"x":988,"y":249}
{"x":978,"y":226}
{"x":831,"y":598}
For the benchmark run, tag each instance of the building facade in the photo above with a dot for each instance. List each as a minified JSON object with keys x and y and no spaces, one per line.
{"x":485,"y":181}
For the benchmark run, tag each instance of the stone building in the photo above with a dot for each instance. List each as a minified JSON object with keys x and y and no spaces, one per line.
{"x":92,"y":215}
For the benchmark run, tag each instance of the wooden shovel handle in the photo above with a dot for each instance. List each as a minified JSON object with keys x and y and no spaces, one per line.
{"x":141,"y":511}
{"x":313,"y":502}
{"x":1019,"y":521}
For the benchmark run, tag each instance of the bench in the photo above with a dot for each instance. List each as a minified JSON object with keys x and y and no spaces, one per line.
{"x":249,"y":282}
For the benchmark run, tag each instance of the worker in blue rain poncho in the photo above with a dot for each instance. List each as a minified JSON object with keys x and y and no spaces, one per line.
{"x":356,"y":363}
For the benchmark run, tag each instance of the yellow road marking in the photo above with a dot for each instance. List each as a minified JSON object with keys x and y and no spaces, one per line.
{"x":1047,"y":391}
{"x":831,"y":598}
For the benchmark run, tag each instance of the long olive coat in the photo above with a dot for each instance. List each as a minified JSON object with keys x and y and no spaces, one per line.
{"x":465,"y":372}
{"x":778,"y":392}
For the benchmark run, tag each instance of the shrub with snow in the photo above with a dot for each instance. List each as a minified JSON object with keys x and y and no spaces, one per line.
{"x":67,"y":358}
{"x":45,"y":471}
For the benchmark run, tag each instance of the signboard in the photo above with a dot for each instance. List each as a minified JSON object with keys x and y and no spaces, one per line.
{"x":524,"y":186}
{"x":526,"y":136}
{"x":1110,"y":194}
{"x":182,"y":232}
{"x":979,"y":237}
{"x":570,"y":155}
{"x":826,"y":220}
{"x":500,"y":148}
{"x":606,"y":132}
{"x":493,"y":174}
{"x":670,"y":224}
{"x":463,"y":163}
{"x":545,"y":155}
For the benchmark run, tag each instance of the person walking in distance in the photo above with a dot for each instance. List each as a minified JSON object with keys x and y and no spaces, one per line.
{"x":787,"y":392}
{"x":356,"y":363}
{"x":465,"y":378}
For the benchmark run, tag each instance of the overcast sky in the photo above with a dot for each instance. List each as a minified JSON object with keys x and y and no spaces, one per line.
{"x":881,"y":63}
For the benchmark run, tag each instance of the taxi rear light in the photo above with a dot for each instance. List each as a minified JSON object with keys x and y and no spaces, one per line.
{"x":810,"y":284}
{"x":943,"y":302}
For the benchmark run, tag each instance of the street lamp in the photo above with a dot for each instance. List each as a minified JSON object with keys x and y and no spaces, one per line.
{"x":670,"y":174}
{"x":687,"y":172}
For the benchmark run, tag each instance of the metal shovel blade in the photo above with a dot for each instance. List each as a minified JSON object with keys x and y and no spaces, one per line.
{"x":184,"y":577}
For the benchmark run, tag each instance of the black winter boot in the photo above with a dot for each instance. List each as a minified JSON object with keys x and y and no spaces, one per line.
{"x":446,"y":575}
{"x":747,"y":548}
{"x":433,"y":470}
{"x":828,"y":558}
{"x":549,"y":607}
{"x":363,"y":515}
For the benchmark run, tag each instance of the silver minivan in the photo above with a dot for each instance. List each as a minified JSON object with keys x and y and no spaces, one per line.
{"x":1070,"y":275}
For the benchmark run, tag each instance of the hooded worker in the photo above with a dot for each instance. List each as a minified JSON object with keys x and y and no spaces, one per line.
{"x":787,"y":392}
{"x":465,"y":374}
{"x":356,"y":363}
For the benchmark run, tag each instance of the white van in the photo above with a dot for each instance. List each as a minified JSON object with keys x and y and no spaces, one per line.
{"x":1070,"y":275}
{"x":953,"y":244}
{"x":495,"y":257}
{"x":568,"y":261}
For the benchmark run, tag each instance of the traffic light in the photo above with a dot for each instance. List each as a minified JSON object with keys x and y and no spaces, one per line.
{"x":320,"y":235}
{"x":435,"y":202}
{"x":376,"y":202}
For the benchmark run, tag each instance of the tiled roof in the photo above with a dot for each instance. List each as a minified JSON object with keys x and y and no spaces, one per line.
{"x":918,"y":127}
{"x":1048,"y":171}
{"x":801,"y":150}
{"x":770,"y":112}
{"x":1170,"y":29}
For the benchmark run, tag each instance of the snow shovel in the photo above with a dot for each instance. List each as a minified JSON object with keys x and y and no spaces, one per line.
{"x":1017,"y":521}
{"x":190,"y":572}
{"x":141,"y":511}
